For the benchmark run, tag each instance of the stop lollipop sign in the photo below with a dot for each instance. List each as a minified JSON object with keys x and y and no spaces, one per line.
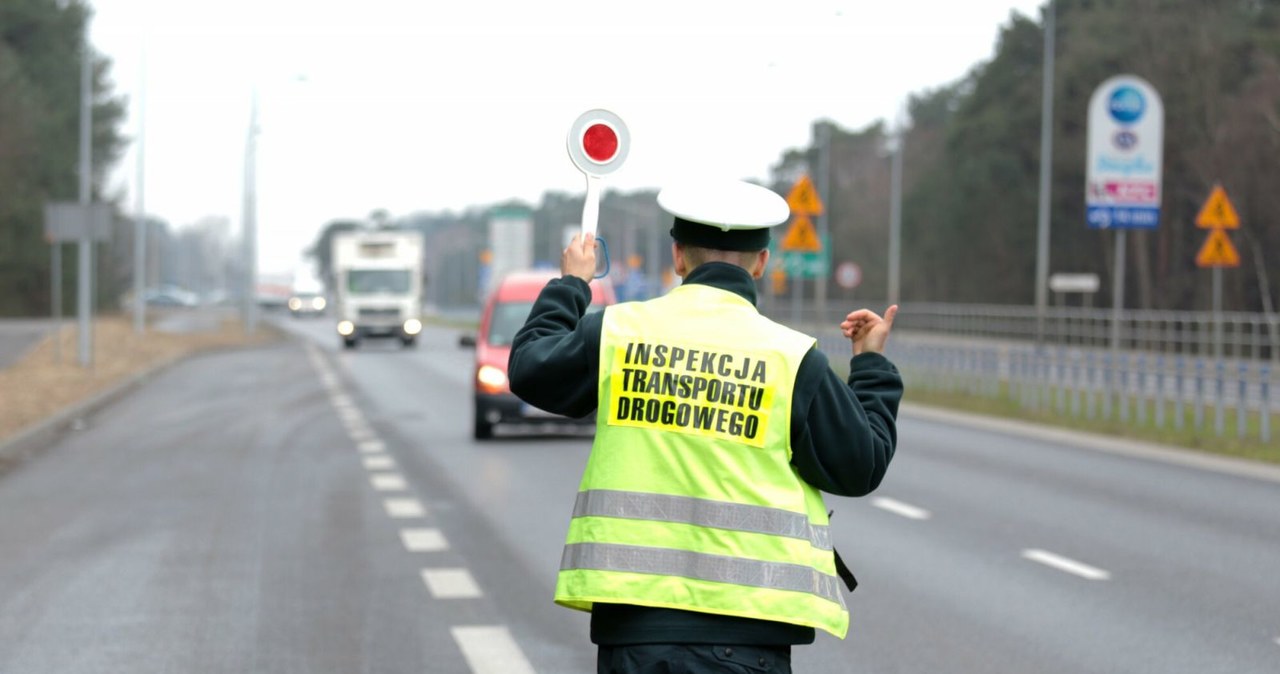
{"x":598,"y":142}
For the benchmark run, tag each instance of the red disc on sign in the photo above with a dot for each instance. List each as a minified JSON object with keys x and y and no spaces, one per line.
{"x":600,"y":142}
{"x":597,"y":142}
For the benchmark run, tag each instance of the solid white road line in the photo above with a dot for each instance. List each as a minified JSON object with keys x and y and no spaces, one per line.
{"x":372,"y":446}
{"x":1065,"y":564}
{"x":403,"y":508}
{"x":379,"y":462}
{"x":388,"y":482}
{"x":491,"y":650}
{"x":1278,"y":641}
{"x":423,"y":540}
{"x":455,"y":583}
{"x":900,"y":508}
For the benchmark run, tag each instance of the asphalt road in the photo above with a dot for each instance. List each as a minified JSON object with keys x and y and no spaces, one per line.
{"x":242,"y":512}
{"x":20,"y":335}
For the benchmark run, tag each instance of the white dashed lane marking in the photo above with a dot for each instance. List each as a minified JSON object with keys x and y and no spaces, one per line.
{"x":900,"y":508}
{"x":491,"y":650}
{"x":404,"y":508}
{"x":455,"y":583}
{"x":379,"y":462}
{"x":372,"y":446}
{"x":1067,"y":565}
{"x":423,"y":540}
{"x":388,"y":482}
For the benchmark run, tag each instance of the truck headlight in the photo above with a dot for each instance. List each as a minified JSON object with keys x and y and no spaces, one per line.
{"x":346,"y":328}
{"x":412,"y":326}
{"x":317,"y":303}
{"x":295,"y":304}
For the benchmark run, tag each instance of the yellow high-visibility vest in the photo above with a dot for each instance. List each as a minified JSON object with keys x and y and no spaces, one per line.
{"x":688,"y":500}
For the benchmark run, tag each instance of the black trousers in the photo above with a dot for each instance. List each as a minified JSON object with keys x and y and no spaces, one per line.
{"x":693,"y":659}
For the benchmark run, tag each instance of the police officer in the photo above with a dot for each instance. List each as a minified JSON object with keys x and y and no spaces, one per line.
{"x":699,"y":539}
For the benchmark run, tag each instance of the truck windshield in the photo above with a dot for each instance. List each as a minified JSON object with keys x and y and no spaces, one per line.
{"x":369,"y":281}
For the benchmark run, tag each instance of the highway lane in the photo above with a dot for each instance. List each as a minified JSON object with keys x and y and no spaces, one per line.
{"x":154,"y":534}
{"x":240,"y":513}
{"x":982,"y":551}
{"x":20,"y":335}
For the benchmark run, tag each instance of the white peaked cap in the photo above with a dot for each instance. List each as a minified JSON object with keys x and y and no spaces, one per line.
{"x":725,"y":204}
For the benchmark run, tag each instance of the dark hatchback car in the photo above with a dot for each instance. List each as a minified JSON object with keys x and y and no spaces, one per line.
{"x":504,"y":313}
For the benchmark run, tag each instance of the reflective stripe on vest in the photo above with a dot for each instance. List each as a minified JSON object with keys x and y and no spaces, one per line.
{"x":701,"y":512}
{"x":716,"y":568}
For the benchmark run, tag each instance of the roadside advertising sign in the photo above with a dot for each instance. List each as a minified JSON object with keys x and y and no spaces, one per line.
{"x":1125,"y":154}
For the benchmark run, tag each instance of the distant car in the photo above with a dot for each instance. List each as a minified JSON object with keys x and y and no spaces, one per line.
{"x":170,"y":296}
{"x":307,"y":304}
{"x":504,"y":313}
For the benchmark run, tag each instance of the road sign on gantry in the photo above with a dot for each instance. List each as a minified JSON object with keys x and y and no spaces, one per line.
{"x":1217,"y":212}
{"x":598,"y":143}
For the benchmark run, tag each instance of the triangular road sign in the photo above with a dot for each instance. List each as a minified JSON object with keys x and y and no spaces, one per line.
{"x":802,"y":236}
{"x":803,"y":198}
{"x":1217,"y":212}
{"x":1218,"y":251}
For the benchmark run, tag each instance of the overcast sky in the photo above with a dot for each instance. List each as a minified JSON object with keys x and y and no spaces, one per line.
{"x":433,"y":105}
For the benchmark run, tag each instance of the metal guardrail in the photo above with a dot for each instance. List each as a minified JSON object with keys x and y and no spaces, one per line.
{"x":1212,"y":373}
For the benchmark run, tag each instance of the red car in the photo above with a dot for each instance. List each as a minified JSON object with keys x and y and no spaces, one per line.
{"x":504,"y":313}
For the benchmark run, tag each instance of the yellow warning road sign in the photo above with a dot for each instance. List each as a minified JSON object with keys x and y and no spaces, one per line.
{"x":804,"y":198}
{"x":802,"y":236}
{"x":1217,"y":212}
{"x":1218,"y":251}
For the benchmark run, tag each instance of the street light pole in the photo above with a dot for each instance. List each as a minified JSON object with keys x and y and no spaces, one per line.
{"x":895,"y":215}
{"x":85,"y":280}
{"x":250,"y":216}
{"x":1046,"y":174}
{"x":140,"y":222}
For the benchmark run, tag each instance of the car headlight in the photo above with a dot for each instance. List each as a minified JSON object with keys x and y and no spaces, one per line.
{"x":412,"y":326}
{"x":491,"y":379}
{"x":295,"y":304}
{"x":317,"y":303}
{"x":346,"y":328}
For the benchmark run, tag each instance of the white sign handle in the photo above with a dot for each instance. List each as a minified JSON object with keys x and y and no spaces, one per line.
{"x":591,"y":207}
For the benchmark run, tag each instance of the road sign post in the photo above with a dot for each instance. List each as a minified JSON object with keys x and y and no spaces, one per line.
{"x":1123,"y":168}
{"x":1217,"y":215}
{"x":802,"y":237}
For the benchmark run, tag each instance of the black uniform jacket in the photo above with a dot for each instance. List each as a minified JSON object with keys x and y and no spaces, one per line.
{"x":842,"y":436}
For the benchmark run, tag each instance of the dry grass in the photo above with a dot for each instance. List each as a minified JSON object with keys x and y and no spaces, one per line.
{"x":41,"y":385}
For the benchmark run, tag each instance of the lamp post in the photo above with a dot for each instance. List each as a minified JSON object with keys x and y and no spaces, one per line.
{"x":1046,"y":176}
{"x":250,"y":216}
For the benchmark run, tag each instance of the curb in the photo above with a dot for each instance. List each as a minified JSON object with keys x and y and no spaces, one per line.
{"x":1150,"y":451}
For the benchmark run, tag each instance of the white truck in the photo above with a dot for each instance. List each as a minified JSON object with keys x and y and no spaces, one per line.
{"x":377,"y":285}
